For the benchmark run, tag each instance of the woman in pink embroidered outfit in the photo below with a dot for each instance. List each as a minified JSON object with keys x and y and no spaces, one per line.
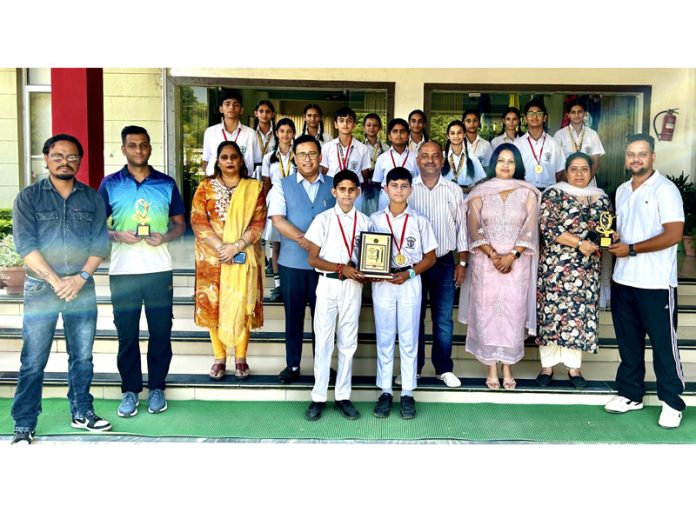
{"x":498,"y":298}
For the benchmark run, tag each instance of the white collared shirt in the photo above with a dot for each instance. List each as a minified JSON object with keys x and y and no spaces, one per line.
{"x":325,"y":233}
{"x":277,"y":204}
{"x":501,"y":139}
{"x":462,"y":179}
{"x":371,"y":150}
{"x":273,"y":170}
{"x":267,"y":140}
{"x":550,"y":157}
{"x":591,"y":145}
{"x":245,"y":138}
{"x":385,"y":163}
{"x":481,"y":149}
{"x":358,"y":159}
{"x":443,"y":206}
{"x":640,"y":215}
{"x":419,"y":238}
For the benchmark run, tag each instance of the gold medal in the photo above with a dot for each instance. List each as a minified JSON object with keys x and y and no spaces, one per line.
{"x":400,"y":259}
{"x":538,"y":169}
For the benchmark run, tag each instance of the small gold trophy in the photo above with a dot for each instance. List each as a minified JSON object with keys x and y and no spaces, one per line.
{"x":141,"y":209}
{"x":606,"y":220}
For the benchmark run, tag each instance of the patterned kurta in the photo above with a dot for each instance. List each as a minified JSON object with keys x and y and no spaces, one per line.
{"x":569,"y":282}
{"x":208,"y":211}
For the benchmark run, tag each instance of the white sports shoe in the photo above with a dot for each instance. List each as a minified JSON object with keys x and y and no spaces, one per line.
{"x":450,"y":380}
{"x":669,"y":418}
{"x":620,"y":404}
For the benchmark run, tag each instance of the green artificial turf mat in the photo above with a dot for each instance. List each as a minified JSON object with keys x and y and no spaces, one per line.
{"x":480,"y":422}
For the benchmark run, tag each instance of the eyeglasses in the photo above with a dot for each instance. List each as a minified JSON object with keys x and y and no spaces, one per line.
{"x":58,"y":158}
{"x":535,"y":114}
{"x":304,"y":156}
{"x":232,"y":157}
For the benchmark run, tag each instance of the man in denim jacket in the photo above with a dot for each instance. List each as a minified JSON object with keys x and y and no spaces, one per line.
{"x":59,"y":227}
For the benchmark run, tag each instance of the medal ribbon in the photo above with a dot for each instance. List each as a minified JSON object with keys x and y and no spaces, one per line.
{"x":578,"y":146}
{"x":284,"y":172}
{"x":403,"y":163}
{"x":224,"y":134}
{"x":376,"y":153}
{"x":263,"y":145}
{"x":540,"y":151}
{"x":352,"y":240}
{"x":403,"y":234}
{"x":339,"y":149}
{"x":459,"y":166}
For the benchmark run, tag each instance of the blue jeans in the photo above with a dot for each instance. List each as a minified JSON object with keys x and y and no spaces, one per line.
{"x":438,"y":284}
{"x":41,"y":310}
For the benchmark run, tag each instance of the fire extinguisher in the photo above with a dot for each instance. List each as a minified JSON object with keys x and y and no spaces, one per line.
{"x":668,"y":123}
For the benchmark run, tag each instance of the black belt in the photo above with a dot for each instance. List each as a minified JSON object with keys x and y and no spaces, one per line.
{"x":394,"y":270}
{"x":331,"y":275}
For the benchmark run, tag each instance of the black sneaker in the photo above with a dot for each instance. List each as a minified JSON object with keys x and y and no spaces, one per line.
{"x":383,"y":407}
{"x":276,"y":296}
{"x":23,"y":436}
{"x":347,"y":409}
{"x":91,"y":422}
{"x":408,"y":407}
{"x":288,"y":375}
{"x":314,"y":411}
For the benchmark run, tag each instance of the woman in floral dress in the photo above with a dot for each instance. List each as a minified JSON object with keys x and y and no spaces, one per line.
{"x":569,"y":271}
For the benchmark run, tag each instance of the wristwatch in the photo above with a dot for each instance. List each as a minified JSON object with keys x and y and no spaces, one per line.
{"x":411,"y":273}
{"x":631,"y":250}
{"x":464,"y":263}
{"x":515,"y":253}
{"x":84,"y":275}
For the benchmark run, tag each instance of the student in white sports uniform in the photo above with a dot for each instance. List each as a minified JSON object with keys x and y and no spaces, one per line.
{"x":460,"y":167}
{"x":278,"y":164}
{"x":230,"y":129}
{"x":334,"y":236}
{"x":397,"y":302}
{"x":264,"y":125}
{"x":511,"y":128}
{"x":399,"y":155}
{"x":579,"y":137}
{"x":476,"y":146}
{"x":314,"y":123}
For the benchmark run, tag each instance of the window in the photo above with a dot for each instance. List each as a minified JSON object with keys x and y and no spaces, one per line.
{"x":36,"y":117}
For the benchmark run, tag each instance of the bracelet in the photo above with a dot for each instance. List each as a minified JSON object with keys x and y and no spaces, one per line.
{"x":580,"y":241}
{"x":339,"y":270}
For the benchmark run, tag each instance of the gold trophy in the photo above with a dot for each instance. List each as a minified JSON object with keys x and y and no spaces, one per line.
{"x":141,"y":209}
{"x":606,"y":220}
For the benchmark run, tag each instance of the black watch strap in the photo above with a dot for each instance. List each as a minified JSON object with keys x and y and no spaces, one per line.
{"x":631,"y":250}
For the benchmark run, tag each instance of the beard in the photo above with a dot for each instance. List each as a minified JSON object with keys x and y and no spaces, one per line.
{"x":640,"y":172}
{"x":64,"y":177}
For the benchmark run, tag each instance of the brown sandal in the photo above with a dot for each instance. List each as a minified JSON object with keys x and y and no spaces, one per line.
{"x":241,"y":371}
{"x":217,"y":371}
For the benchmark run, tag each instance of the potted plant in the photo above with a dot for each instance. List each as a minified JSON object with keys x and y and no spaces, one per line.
{"x":688,"y":194}
{"x":11,"y":270}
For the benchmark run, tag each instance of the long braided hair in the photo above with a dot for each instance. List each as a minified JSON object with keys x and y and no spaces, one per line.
{"x":470,"y":171}
{"x":283,"y":122}
{"x":320,"y":132}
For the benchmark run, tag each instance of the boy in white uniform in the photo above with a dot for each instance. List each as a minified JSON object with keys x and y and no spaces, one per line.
{"x":477,"y":147}
{"x":230,"y":129}
{"x":372,"y":125}
{"x":334,"y":236}
{"x":399,"y":155}
{"x":578,"y":137}
{"x":397,"y":302}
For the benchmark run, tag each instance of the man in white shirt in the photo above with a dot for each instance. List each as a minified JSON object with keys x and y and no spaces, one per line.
{"x":578,"y":137}
{"x":650,"y":221}
{"x":232,"y":129}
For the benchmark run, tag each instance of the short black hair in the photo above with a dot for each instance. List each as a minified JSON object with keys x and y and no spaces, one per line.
{"x":575,"y":102}
{"x":471,"y":111}
{"x":535,"y":102}
{"x":307,"y":138}
{"x":374,"y":116}
{"x":399,"y":173}
{"x":396,"y":121}
{"x":133,"y":130}
{"x":345,"y":112}
{"x":63,"y":136}
{"x":642,"y":137}
{"x":345,"y":174}
{"x":576,"y":155}
{"x":230,"y":94}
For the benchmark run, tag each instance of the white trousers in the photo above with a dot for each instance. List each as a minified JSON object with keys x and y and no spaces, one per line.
{"x":551,"y":355}
{"x":397,"y":310}
{"x":336,"y":313}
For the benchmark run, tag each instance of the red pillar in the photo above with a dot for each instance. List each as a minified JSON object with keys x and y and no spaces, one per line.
{"x":77,"y":103}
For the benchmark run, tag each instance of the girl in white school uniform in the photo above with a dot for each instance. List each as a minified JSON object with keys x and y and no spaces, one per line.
{"x":476,"y":146}
{"x":314,"y":123}
{"x":277,"y":165}
{"x":459,"y":166}
{"x":264,"y":126}
{"x":511,"y":128}
{"x":417,"y":123}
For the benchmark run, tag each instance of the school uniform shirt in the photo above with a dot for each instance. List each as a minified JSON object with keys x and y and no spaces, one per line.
{"x":549,"y":155}
{"x":413,"y":145}
{"x":324,"y":232}
{"x":333,"y":155}
{"x":375,"y":151}
{"x":245,"y":138}
{"x":390,"y":159}
{"x":457,"y":172}
{"x":586,"y":141}
{"x":266,"y":142}
{"x":418,"y":239}
{"x":640,"y":215}
{"x":323,"y":139}
{"x":276,"y":171}
{"x":481,"y":149}
{"x":501,"y":139}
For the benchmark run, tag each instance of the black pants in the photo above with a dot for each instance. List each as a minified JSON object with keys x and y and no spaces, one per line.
{"x":637,"y":312}
{"x":299,"y":288}
{"x":128,"y":293}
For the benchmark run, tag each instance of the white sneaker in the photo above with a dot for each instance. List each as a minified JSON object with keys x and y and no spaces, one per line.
{"x":620,"y":404}
{"x":669,"y":418}
{"x":397,"y":380}
{"x":450,"y":380}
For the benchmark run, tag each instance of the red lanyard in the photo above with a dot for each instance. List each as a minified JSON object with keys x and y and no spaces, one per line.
{"x":224,"y":134}
{"x":391,"y":154}
{"x":345,"y":240}
{"x":538,"y":159}
{"x":343,"y":162}
{"x":403,"y":234}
